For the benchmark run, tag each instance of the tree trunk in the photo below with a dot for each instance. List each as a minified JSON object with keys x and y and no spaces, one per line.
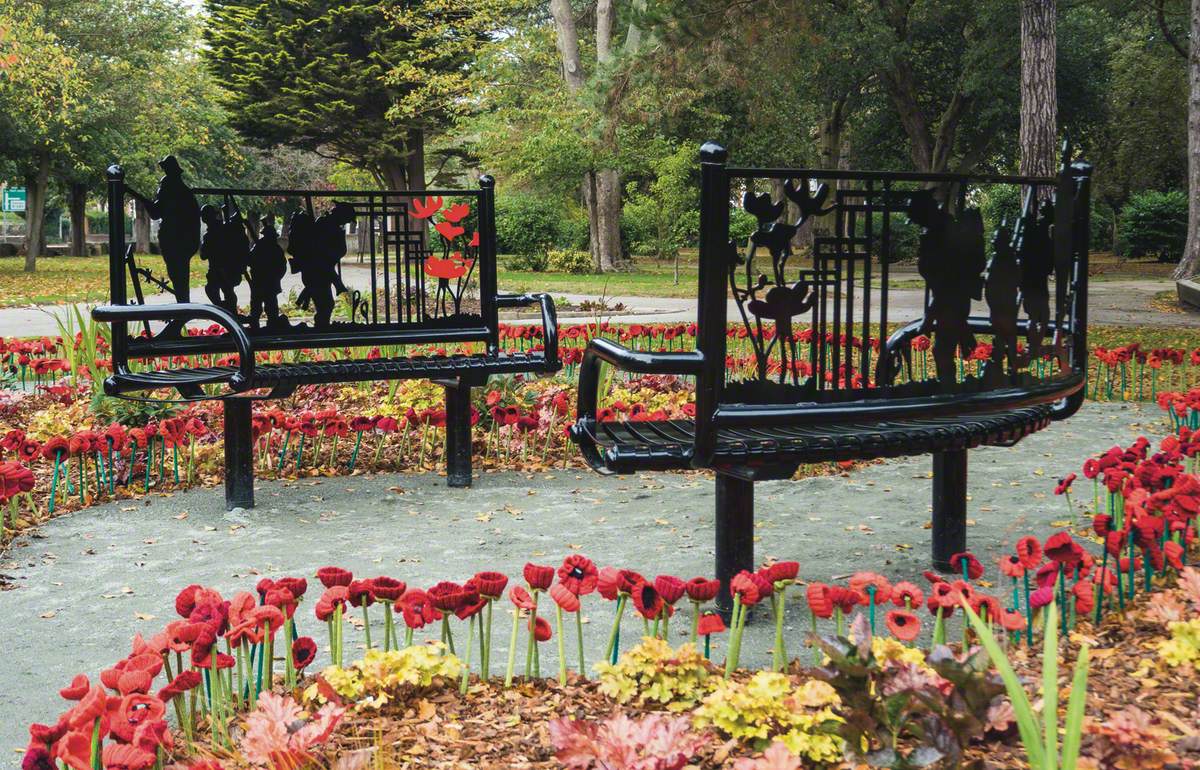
{"x":608,"y":207}
{"x":1039,"y":95}
{"x":79,"y":223}
{"x":36,"y":186}
{"x":141,"y":227}
{"x":1190,"y":264}
{"x":588,"y":191}
{"x":414,"y":169}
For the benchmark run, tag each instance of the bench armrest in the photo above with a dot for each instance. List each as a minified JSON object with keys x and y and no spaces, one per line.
{"x":549,"y":318}
{"x":186,"y":312}
{"x":600,"y":350}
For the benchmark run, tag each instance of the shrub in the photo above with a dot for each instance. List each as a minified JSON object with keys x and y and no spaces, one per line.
{"x":1156,"y":223}
{"x":652,"y":674}
{"x":379,"y":677}
{"x":529,"y":224}
{"x":770,"y":707}
{"x":741,"y":225}
{"x":571,"y":261}
{"x":533,"y":261}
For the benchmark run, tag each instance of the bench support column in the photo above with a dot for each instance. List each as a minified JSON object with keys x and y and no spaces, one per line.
{"x":735,"y":534}
{"x":949,"y":507}
{"x":239,"y":454}
{"x":458,"y":435}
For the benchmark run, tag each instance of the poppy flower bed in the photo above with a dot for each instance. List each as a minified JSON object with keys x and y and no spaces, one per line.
{"x":938,"y":671}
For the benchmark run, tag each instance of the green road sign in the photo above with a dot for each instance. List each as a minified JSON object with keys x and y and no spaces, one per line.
{"x":13,"y":199}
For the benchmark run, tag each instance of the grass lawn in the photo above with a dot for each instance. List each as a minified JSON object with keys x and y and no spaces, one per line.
{"x":61,"y":280}
{"x":647,"y":278}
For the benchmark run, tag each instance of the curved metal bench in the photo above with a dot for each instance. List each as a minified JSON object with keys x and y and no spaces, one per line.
{"x":814,"y":394}
{"x":426,"y":288}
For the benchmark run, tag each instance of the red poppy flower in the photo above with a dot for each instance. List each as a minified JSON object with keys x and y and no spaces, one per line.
{"x":449,"y":231}
{"x":491,"y":584}
{"x":417,"y":608}
{"x":37,"y":757}
{"x":124,"y":756}
{"x":1029,"y":551}
{"x":861,"y":581}
{"x":710,"y":623}
{"x":361,"y":593}
{"x":1011,"y":566}
{"x":184,"y":681}
{"x":538,"y":577}
{"x":447,"y":596}
{"x":564,"y":598}
{"x":903,"y":624}
{"x":304,"y":652}
{"x":55,"y":448}
{"x":333,"y":598}
{"x":1091,"y":468}
{"x":541,"y":630}
{"x":986,"y":607}
{"x":743,"y":585}
{"x":670,"y":588}
{"x":974,"y":569}
{"x":944,"y":596}
{"x":1062,"y":548}
{"x":1011,"y":620}
{"x":521,"y":598}
{"x":820,"y":601}
{"x":933,"y":577}
{"x":75,"y":749}
{"x":1041,"y":597}
{"x":1064,"y":485}
{"x":846,"y":599}
{"x":424,"y":209}
{"x":445,"y":269}
{"x":77,"y":689}
{"x":471,"y":602}
{"x":456,"y":213}
{"x":282,"y":599}
{"x":579,"y":574}
{"x":783,"y":571}
{"x":907,"y":595}
{"x":135,"y":681}
{"x":702,"y":589}
{"x":1101,"y":524}
{"x":334,"y":576}
{"x":387,"y":589}
{"x":133,"y":711}
{"x":1173,"y":552}
{"x":647,"y":601}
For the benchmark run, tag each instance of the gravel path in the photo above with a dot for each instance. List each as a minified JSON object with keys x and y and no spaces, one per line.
{"x":82,"y":586}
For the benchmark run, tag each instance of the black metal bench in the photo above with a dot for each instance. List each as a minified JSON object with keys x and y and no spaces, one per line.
{"x":432,"y":281}
{"x":815,"y":394}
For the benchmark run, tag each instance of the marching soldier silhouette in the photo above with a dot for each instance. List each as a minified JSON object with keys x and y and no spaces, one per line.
{"x":951,"y":259}
{"x":227,"y":251}
{"x":178,"y":213}
{"x":268,"y":265}
{"x":317,"y":246}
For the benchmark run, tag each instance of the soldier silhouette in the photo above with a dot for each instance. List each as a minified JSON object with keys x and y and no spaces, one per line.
{"x":317,"y":246}
{"x":267,"y":268}
{"x":1036,"y":252}
{"x":226,"y":250}
{"x":1003,"y":279}
{"x":178,"y":213}
{"x":951,"y":259}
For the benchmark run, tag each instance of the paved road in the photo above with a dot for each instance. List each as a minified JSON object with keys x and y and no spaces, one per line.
{"x":1125,"y":303}
{"x":85,"y":583}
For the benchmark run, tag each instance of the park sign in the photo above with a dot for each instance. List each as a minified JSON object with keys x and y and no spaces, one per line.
{"x":13,"y":199}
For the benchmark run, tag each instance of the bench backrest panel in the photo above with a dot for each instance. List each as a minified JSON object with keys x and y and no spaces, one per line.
{"x":416,"y":266}
{"x":813,"y":313}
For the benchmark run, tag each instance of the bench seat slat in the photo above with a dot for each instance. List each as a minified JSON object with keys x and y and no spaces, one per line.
{"x":629,"y":446}
{"x":344,"y":370}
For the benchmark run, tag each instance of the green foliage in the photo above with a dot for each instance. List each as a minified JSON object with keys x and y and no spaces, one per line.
{"x":652,"y":675}
{"x":1041,"y":742}
{"x":529,"y":225}
{"x":571,"y":261}
{"x":661,"y":217}
{"x":937,"y":707}
{"x":903,"y":235}
{"x":741,"y":225}
{"x":771,"y":707}
{"x":1155,"y":223}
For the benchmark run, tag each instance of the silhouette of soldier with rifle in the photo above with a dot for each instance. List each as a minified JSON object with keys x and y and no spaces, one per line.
{"x":268,"y":265}
{"x":178,"y":213}
{"x":317,"y":246}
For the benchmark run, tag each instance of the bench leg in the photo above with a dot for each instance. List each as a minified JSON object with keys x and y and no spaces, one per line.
{"x":458,"y":436}
{"x":949,"y":507}
{"x":735,"y":534}
{"x":239,"y":454}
